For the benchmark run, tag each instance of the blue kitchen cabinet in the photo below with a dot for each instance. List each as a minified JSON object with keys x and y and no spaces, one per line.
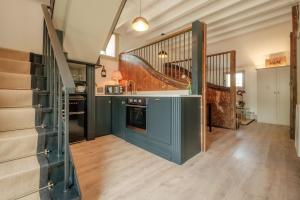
{"x":118,"y":116}
{"x":159,"y":119}
{"x":103,"y":116}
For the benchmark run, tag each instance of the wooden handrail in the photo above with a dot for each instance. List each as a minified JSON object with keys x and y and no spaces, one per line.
{"x":162,"y":39}
{"x":63,"y":67}
{"x":221,"y":53}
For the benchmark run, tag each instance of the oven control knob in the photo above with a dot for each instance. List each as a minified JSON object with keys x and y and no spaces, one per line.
{"x":140,"y":100}
{"x":134,"y":100}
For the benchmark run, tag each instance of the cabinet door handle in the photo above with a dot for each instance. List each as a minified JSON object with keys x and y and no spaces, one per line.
{"x":123,"y":102}
{"x":109,"y":101}
{"x":157,"y":99}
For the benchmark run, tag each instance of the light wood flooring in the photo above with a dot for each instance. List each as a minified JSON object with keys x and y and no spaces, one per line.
{"x":255,"y":163}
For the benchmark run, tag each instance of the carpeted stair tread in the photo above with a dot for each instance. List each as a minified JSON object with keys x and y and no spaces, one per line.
{"x":20,"y":143}
{"x":14,"y":66}
{"x":37,"y":196}
{"x":17,"y":118}
{"x":28,"y":142}
{"x":18,"y":166}
{"x":14,"y":81}
{"x":5,"y":135}
{"x":14,"y":54}
{"x":16,"y":98}
{"x":22,"y":176}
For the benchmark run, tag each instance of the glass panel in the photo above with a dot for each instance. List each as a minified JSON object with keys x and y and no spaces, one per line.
{"x":111,"y":47}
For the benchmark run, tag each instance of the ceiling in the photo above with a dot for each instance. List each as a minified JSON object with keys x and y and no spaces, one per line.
{"x":224,"y":18}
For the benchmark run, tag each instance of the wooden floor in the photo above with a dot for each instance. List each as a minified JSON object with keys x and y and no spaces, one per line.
{"x":258,"y":162}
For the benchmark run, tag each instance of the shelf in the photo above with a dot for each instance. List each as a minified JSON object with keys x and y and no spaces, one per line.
{"x":81,"y":82}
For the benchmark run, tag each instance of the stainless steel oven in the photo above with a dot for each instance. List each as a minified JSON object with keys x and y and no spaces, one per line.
{"x":136,"y":111}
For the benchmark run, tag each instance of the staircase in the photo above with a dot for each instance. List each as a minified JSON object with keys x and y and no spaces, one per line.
{"x":35,"y":161}
{"x":30,"y":167}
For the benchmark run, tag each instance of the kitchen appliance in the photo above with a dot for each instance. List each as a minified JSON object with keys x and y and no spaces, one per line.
{"x":114,"y":89}
{"x":80,"y":88}
{"x":136,"y":111}
{"x":77,"y":118}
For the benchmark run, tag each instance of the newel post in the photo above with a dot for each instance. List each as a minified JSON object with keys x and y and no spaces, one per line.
{"x":199,"y":73}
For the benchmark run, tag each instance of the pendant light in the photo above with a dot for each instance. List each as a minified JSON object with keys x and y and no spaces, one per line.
{"x":162,"y":54}
{"x":140,"y":23}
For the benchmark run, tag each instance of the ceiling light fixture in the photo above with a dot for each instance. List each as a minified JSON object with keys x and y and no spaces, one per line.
{"x":140,"y":23}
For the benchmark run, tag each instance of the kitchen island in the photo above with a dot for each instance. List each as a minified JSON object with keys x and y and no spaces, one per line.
{"x":171,"y":126}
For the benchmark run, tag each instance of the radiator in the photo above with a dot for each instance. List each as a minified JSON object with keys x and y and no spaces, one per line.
{"x":297,"y":130}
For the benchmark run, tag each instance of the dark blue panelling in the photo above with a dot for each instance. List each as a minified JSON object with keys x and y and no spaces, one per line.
{"x":103,"y":116}
{"x":173,"y":126}
{"x":159,"y":119}
{"x":176,"y":130}
{"x":118,"y":116}
{"x":190,"y":127}
{"x":142,"y":140}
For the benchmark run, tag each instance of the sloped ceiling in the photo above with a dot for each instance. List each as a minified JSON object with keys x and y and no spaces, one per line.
{"x":86,"y":25}
{"x":225,"y":18}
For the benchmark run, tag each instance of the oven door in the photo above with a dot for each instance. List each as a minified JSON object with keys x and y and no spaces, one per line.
{"x":136,"y":118}
{"x":77,"y":118}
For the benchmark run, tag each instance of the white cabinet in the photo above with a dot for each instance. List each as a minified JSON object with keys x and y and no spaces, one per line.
{"x":273,"y":95}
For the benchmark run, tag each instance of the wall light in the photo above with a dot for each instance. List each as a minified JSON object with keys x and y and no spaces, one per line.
{"x":162,"y":54}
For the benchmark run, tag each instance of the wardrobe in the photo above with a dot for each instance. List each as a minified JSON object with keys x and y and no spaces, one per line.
{"x":273,"y":96}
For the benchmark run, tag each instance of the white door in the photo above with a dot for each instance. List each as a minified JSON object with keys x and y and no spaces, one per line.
{"x":266,"y":96}
{"x":283,"y":96}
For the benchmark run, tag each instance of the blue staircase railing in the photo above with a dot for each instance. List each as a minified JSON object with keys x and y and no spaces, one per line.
{"x":60,"y":85}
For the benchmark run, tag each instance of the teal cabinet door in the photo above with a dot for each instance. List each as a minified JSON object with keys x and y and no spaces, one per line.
{"x":118,"y":116}
{"x":159,"y":119}
{"x":103,"y":116}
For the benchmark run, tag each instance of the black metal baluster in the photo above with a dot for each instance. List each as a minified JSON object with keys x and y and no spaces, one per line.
{"x":59,"y":118}
{"x":66,"y":141}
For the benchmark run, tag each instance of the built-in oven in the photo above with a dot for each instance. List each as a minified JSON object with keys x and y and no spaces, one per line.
{"x":77,"y":118}
{"x":136,"y":111}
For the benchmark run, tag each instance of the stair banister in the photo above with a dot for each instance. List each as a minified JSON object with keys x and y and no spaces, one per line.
{"x":60,"y":85}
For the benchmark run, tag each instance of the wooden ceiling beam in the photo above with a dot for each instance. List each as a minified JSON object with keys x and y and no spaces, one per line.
{"x":150,"y":12}
{"x":249,"y":13}
{"x":171,"y":25}
{"x":176,"y":13}
{"x":249,"y":22}
{"x":249,"y":29}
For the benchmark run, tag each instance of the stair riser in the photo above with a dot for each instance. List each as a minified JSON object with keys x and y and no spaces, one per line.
{"x":15,"y":119}
{"x":17,"y":67}
{"x":21,"y":98}
{"x":13,"y":66}
{"x":20,"y":184}
{"x":21,"y":147}
{"x":16,"y":98}
{"x":16,"y":81}
{"x":13,"y":54}
{"x":26,"y":182}
{"x":26,"y":146}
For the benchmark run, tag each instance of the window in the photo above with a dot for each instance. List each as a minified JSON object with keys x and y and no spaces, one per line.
{"x":239,"y":80}
{"x":111,"y":47}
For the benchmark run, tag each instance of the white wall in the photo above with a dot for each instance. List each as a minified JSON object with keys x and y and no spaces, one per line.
{"x":21,"y":23}
{"x":87,"y":27}
{"x":111,"y":65}
{"x":252,"y":49}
